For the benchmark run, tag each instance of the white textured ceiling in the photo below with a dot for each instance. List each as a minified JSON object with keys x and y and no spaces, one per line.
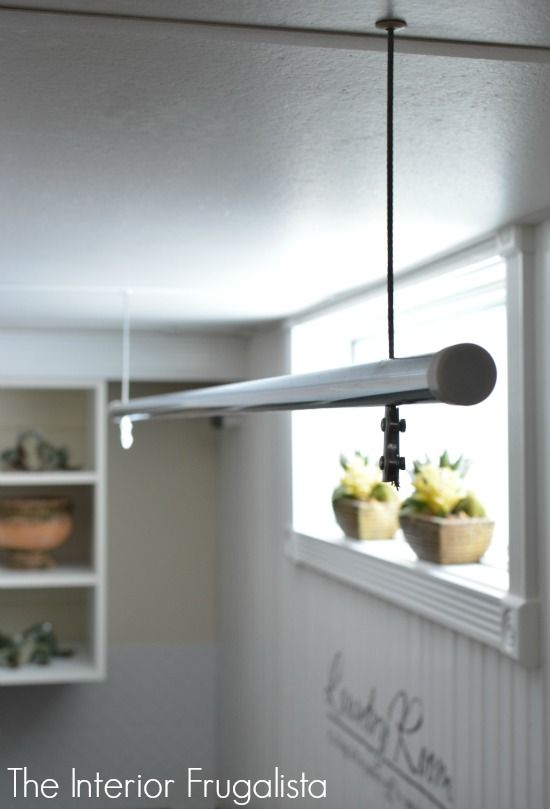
{"x":231,"y":182}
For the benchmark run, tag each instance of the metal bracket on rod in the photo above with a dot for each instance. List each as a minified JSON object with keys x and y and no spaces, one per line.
{"x":391,"y":462}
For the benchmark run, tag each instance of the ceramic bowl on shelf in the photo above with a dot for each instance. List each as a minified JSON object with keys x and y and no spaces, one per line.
{"x":31,"y":527}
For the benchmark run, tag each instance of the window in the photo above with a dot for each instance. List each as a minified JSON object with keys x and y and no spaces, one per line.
{"x":484,"y":294}
{"x":464,"y":305}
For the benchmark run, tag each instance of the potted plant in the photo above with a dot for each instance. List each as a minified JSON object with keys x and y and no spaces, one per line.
{"x":364,"y":507}
{"x":442,"y":521}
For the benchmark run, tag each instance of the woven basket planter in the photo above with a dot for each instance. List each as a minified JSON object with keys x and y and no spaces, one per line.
{"x":370,"y":519}
{"x":447,"y":540}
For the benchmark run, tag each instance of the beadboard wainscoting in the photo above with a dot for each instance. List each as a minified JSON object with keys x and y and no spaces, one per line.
{"x":390,"y":708}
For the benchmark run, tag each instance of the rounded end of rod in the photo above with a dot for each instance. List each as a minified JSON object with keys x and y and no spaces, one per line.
{"x":464,"y":374}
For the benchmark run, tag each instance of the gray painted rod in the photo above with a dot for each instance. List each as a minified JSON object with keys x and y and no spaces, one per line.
{"x":463,"y":374}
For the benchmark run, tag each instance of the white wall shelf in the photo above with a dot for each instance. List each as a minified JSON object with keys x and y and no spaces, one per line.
{"x":76,"y":669}
{"x":70,"y":595}
{"x":77,"y":478}
{"x":61,"y":576}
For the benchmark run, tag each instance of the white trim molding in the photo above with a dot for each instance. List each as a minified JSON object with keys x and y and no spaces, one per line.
{"x":483,"y":610}
{"x":516,"y":246}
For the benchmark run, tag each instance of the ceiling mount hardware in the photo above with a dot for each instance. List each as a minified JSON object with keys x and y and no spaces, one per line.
{"x":391,"y":24}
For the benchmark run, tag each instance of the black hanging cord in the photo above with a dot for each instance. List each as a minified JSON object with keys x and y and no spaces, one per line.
{"x":391,"y":461}
{"x":390,"y":26}
{"x":389,"y":194}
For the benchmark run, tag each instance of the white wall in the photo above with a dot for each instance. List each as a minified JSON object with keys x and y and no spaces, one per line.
{"x":542,"y":432}
{"x":485,"y":719}
{"x":163,"y":531}
{"x":154,"y":715}
{"x":97,"y":354}
{"x":254,"y":507}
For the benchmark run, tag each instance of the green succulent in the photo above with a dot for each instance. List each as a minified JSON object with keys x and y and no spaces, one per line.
{"x":471,"y":506}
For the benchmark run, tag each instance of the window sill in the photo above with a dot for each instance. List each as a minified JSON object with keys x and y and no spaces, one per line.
{"x":471,"y":599}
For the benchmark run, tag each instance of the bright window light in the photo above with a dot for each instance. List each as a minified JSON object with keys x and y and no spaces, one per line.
{"x":465,"y":305}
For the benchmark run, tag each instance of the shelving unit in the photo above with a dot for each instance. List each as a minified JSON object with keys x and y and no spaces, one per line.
{"x":72,"y":594}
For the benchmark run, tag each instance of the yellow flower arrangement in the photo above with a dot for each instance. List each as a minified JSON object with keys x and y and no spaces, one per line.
{"x":360,"y":481}
{"x":440,"y":490}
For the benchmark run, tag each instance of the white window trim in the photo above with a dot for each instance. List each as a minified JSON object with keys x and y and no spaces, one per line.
{"x":506,"y":618}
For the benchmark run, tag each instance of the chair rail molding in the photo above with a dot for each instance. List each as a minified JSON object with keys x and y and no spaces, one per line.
{"x":480,"y":610}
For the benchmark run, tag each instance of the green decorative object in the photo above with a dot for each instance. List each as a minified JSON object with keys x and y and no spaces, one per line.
{"x":32,"y":453}
{"x":37,"y":644}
